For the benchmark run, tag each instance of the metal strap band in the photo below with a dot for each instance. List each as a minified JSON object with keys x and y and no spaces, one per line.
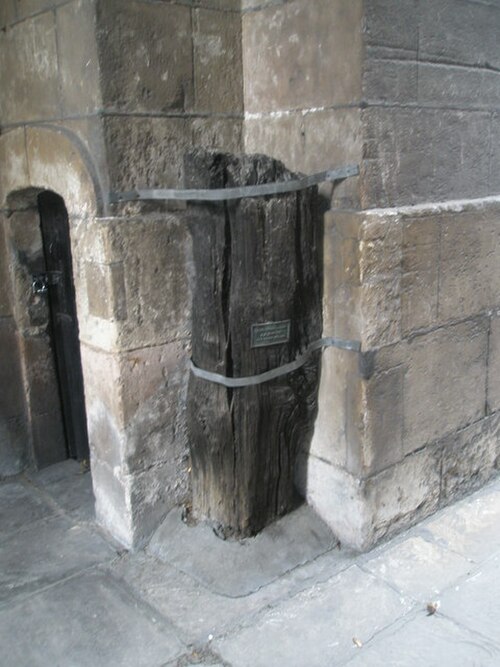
{"x":225,"y":194}
{"x":251,"y":380}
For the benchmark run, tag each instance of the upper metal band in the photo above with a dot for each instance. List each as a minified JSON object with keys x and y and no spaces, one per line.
{"x":242,"y":192}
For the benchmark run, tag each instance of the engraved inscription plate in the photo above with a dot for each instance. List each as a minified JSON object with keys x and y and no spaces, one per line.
{"x":270,"y":333}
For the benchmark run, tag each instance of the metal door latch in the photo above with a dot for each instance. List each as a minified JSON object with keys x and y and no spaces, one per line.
{"x":40,"y":281}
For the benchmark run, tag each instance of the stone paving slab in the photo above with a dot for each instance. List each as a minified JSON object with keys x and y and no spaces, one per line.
{"x":19,"y":507}
{"x":470,"y":527}
{"x":200,"y":613}
{"x":297,"y":538}
{"x":418,"y":568}
{"x":316,"y":627}
{"x":84,"y":621}
{"x":46,"y":552}
{"x":475,"y":602}
{"x":69,"y":487}
{"x":428,"y":641}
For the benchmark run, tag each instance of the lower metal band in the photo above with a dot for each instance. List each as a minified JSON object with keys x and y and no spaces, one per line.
{"x":251,"y":380}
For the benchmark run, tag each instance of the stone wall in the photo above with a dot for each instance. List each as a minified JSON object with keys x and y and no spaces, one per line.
{"x":130,"y":85}
{"x":107,"y":95}
{"x":412,"y":423}
{"x":302,"y":66}
{"x":431,"y":84}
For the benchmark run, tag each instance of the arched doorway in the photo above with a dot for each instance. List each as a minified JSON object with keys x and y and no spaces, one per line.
{"x":44,"y":330}
{"x":57,"y":284}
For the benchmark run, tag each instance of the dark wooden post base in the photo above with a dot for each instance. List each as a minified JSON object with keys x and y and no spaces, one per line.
{"x":257,"y":260}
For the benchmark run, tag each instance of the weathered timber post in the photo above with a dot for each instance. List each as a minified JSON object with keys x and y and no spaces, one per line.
{"x":257,"y":260}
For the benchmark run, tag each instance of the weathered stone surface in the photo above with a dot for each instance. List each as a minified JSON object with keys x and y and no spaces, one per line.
{"x":145,"y":56}
{"x":27,"y":7}
{"x":289,"y":69}
{"x":5,"y":292}
{"x":49,"y":441}
{"x":291,"y":541}
{"x":112,"y":506}
{"x":40,"y":374}
{"x":19,"y":507}
{"x":145,"y":152}
{"x":13,"y":153}
{"x":77,"y":51}
{"x":495,"y":152}
{"x":218,"y":74}
{"x":106,"y":290}
{"x":493,"y":389}
{"x":386,"y":80}
{"x":392,"y":23}
{"x":441,"y":158}
{"x":466,"y":33}
{"x":225,"y":134}
{"x":444,"y":386}
{"x":310,"y":142}
{"x":157,"y":267}
{"x":7,"y":13}
{"x":402,"y":495}
{"x":154,"y":384}
{"x":69,"y":486}
{"x":428,"y":641}
{"x":29,"y":49}
{"x":327,"y":610}
{"x":421,"y":265}
{"x":176,"y":595}
{"x":380,"y":262}
{"x":470,"y":458}
{"x":457,"y":86}
{"x":383,"y":424}
{"x":281,"y":137}
{"x":473,"y":603}
{"x":418,"y":568}
{"x":328,"y":488}
{"x":56,"y":162}
{"x":137,"y":433}
{"x":338,"y":427}
{"x":12,"y":395}
{"x":14,"y":454}
{"x":470,"y":267}
{"x":96,"y":610}
{"x":472,"y":529}
{"x":101,"y":374}
{"x":61,"y":549}
{"x":342,"y":314}
{"x":139,"y":278}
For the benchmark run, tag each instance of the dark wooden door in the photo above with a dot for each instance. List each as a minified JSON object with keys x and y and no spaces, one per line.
{"x":63,"y":321}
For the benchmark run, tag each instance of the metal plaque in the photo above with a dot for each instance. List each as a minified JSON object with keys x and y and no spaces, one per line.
{"x":270,"y":333}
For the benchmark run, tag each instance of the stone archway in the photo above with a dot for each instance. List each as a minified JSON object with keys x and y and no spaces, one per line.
{"x":36,"y":159}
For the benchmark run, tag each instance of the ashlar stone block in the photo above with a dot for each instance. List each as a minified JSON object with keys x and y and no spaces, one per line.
{"x":470,"y":458}
{"x":445,"y":382}
{"x":380,"y":277}
{"x":493,"y":390}
{"x":13,"y":153}
{"x":470,"y":263}
{"x":419,"y":281}
{"x":29,"y":48}
{"x":79,"y":75}
{"x":145,"y":152}
{"x":302,"y":55}
{"x":145,"y":55}
{"x":441,"y":158}
{"x":218,"y":71}
{"x":460,"y":31}
{"x":392,"y":23}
